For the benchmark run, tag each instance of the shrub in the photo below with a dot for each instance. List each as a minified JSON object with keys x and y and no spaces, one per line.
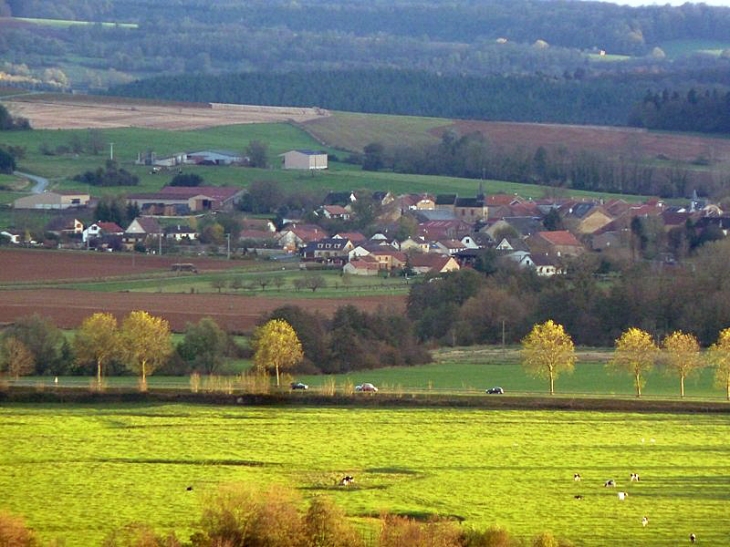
{"x":325,"y":525}
{"x":139,"y":535}
{"x":14,"y":533}
{"x":397,"y":531}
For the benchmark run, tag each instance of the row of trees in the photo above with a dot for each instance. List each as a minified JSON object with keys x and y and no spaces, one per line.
{"x":476,"y":156}
{"x":140,"y":344}
{"x":110,"y":175}
{"x":548,"y":350}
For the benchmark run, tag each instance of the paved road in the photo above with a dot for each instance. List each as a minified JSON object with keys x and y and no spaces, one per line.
{"x":40,"y":183}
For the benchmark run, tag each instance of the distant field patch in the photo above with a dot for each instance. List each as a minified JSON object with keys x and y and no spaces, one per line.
{"x":69,"y":23}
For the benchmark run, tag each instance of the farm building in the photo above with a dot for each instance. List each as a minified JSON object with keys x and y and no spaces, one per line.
{"x":180,"y":200}
{"x":305,"y":159}
{"x":52,"y":200}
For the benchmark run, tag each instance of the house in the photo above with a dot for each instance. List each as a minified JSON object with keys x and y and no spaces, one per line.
{"x":356,"y":237}
{"x":471,"y":209}
{"x":418,"y":244}
{"x":586,"y":217}
{"x":335,"y":212}
{"x":448,"y":246}
{"x":522,"y":258}
{"x":328,"y":250}
{"x":444,"y":229}
{"x":304,"y":159}
{"x":142,"y":229}
{"x":53,"y":200}
{"x":181,"y":200}
{"x":64,"y":226}
{"x":557,"y":243}
{"x":363,"y":265}
{"x":545,"y":266}
{"x":180,"y":233}
{"x":518,"y":226}
{"x":432,"y":263}
{"x":298,"y":236}
{"x":102,"y":230}
{"x":389,"y":259}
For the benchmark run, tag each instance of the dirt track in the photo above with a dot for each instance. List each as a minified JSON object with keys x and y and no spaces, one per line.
{"x":93,"y":113}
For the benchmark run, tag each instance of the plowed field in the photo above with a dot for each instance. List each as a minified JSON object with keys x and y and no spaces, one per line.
{"x":67,"y":307}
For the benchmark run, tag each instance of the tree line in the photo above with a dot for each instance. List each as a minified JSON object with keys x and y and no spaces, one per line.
{"x":476,"y":156}
{"x":548,"y":351}
{"x":705,"y":111}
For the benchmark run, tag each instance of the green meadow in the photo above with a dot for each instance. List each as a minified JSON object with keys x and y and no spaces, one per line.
{"x":76,"y":472}
{"x":344,"y":130}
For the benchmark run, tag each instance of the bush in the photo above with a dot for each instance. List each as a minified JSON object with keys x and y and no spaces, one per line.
{"x":397,"y":531}
{"x":139,"y":535}
{"x":14,"y":533}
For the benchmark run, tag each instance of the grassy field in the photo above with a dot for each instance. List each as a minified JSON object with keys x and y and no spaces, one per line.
{"x":104,"y":466}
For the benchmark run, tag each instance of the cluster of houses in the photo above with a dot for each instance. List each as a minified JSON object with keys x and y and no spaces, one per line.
{"x":447,"y":232}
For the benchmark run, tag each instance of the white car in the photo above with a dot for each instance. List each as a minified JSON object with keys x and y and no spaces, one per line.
{"x":366,"y":387}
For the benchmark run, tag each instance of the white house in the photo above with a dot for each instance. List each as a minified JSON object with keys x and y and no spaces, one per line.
{"x":305,"y":159}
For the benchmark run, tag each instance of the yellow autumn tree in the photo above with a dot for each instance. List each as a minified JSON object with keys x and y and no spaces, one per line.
{"x":719,"y":356}
{"x":547,"y":351}
{"x":277,"y":347}
{"x":682,"y":356}
{"x":97,"y":341}
{"x":146,"y":343}
{"x":636,"y":353}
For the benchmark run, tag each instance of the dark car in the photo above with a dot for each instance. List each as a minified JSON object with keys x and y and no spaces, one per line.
{"x":495,"y":391}
{"x":298,"y":385}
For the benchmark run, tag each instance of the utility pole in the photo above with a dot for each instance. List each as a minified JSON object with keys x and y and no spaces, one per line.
{"x":228,"y":252}
{"x":111,"y":151}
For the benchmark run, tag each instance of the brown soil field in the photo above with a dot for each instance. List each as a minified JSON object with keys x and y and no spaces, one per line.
{"x":68,"y":308}
{"x":629,"y":142}
{"x":234,"y":313}
{"x":56,"y":112}
{"x":33,"y":265}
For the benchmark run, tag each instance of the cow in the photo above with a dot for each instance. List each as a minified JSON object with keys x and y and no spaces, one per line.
{"x":623,"y":495}
{"x":692,"y":538}
{"x":610,"y":483}
{"x":347,"y":480}
{"x":578,"y":497}
{"x":634,"y":477}
{"x":644,"y":521}
{"x":576,"y":476}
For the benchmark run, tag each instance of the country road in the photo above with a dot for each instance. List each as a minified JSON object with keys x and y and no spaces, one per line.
{"x":40,"y":183}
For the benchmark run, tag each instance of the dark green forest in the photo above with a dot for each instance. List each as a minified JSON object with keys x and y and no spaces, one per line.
{"x":523,"y":60}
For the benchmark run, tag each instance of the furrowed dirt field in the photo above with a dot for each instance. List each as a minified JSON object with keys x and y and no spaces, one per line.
{"x":105,"y":113}
{"x":67,"y":307}
{"x":624,"y":141}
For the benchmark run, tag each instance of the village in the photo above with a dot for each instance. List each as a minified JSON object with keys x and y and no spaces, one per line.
{"x":409,"y":234}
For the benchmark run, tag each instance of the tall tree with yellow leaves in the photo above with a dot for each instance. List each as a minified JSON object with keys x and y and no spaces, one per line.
{"x":682,"y":356}
{"x":636,"y":353}
{"x":276,"y":346}
{"x":146,"y":343}
{"x":97,"y":341}
{"x":547,"y":351}
{"x":719,"y":356}
{"x":16,"y":358}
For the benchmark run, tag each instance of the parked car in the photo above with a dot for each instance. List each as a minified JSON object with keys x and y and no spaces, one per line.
{"x":366,"y":387}
{"x":298,"y":385}
{"x":495,"y":391}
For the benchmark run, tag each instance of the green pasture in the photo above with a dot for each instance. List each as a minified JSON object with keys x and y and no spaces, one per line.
{"x":76,"y":472}
{"x":342,"y":130}
{"x":589,"y":379}
{"x":337,"y":285}
{"x":680,"y":48}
